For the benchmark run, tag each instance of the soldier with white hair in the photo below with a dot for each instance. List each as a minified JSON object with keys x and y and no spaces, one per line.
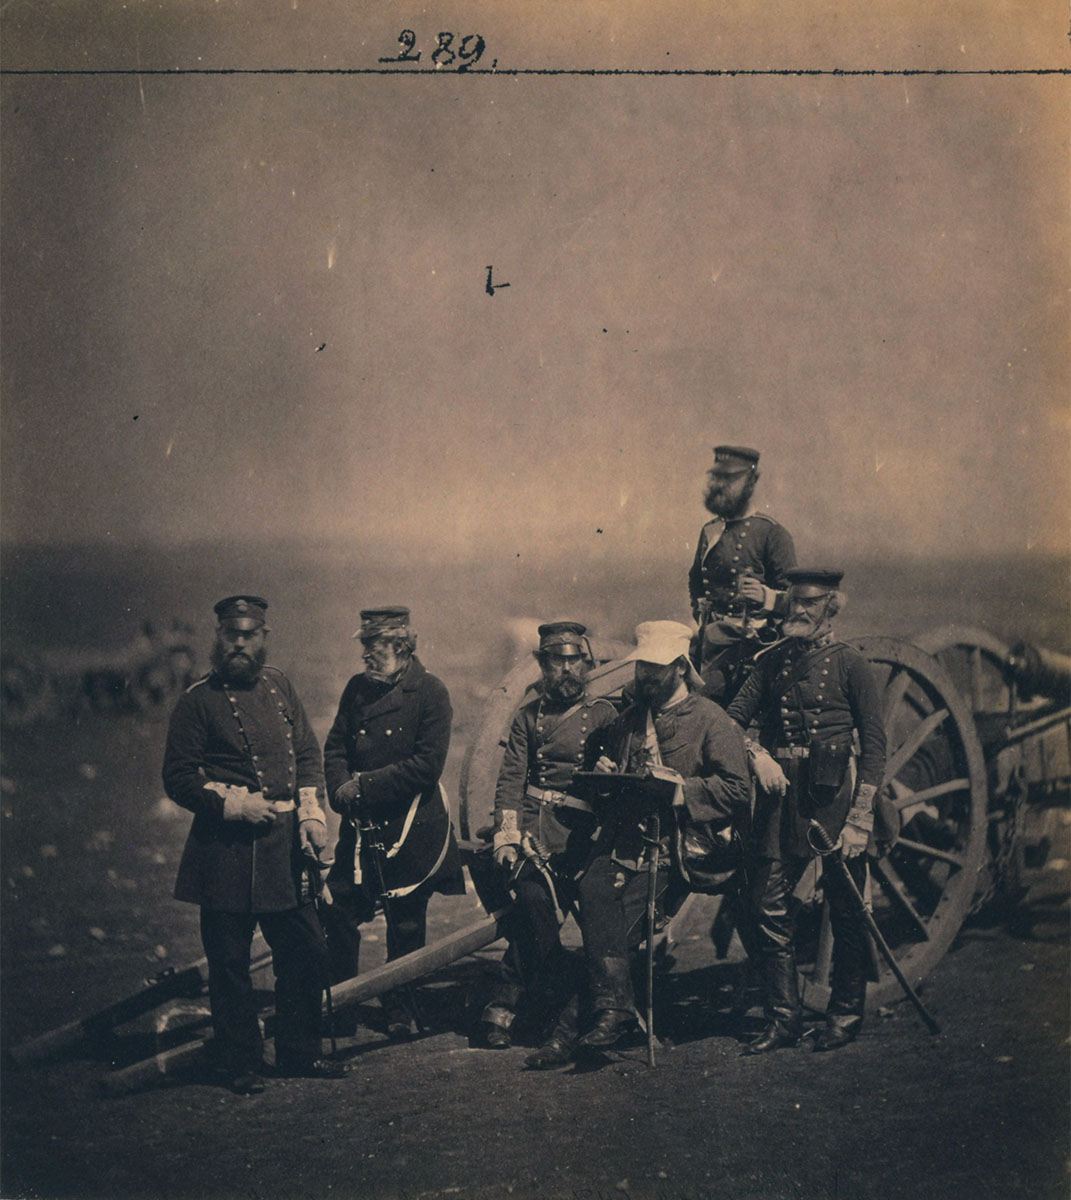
{"x":810,"y":693}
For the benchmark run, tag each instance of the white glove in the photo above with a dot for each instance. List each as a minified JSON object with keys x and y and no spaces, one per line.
{"x":857,"y":829}
{"x":240,"y":804}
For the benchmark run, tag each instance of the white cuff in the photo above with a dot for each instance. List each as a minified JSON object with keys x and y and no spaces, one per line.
{"x":309,"y":808}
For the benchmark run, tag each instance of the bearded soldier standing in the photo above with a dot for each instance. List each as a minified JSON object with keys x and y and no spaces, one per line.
{"x":809,"y":693}
{"x":738,"y":576}
{"x":541,"y":831}
{"x":242,"y":758}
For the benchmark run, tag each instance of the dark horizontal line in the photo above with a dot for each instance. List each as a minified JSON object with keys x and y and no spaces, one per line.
{"x":515,"y":71}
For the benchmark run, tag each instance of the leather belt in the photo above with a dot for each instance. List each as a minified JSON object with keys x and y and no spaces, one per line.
{"x":557,"y":799}
{"x":792,"y":752}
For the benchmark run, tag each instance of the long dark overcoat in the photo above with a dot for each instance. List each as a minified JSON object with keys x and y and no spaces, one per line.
{"x":395,"y":740}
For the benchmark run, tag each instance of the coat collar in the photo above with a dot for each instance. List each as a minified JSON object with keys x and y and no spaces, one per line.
{"x":390,"y":700}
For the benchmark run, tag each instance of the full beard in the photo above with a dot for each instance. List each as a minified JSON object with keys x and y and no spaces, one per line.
{"x":654,"y":695}
{"x":719,"y":505}
{"x":236,"y":667}
{"x":566,"y":690}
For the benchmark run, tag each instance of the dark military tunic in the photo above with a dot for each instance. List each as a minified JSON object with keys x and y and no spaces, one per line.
{"x":545,"y":747}
{"x":259,"y":737}
{"x":395,"y":737}
{"x":754,"y":543}
{"x":808,"y":700}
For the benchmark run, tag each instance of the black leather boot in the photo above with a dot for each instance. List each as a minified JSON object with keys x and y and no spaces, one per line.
{"x":783,"y":1020}
{"x":611,"y":1001}
{"x":839,"y":1030}
{"x":847,"y":993}
{"x":559,"y":1048}
{"x":495,"y":1026}
{"x":611,"y":1025}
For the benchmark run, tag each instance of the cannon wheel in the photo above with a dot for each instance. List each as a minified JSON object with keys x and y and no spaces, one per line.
{"x":933,"y":817}
{"x":974,"y":661}
{"x":479,"y":769}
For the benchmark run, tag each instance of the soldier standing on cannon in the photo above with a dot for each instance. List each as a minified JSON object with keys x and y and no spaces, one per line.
{"x":809,"y":693}
{"x":382,"y":759}
{"x":737,"y":579}
{"x":242,"y":758}
{"x":541,"y":831}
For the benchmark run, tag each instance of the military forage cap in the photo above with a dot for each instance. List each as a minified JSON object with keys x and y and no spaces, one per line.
{"x":243,"y":612}
{"x":816,"y":580}
{"x":563,"y":633}
{"x":733,"y":460}
{"x":389,"y":619}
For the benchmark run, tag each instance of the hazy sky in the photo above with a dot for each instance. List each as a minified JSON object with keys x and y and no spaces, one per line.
{"x":257,"y":302}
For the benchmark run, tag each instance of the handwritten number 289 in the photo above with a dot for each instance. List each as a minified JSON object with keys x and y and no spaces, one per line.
{"x":466,"y":55}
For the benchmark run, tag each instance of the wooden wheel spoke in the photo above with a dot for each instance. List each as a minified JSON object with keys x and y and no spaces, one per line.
{"x":898,"y":683}
{"x":905,"y":797}
{"x":894,"y":885}
{"x":930,"y":851}
{"x":910,"y":745}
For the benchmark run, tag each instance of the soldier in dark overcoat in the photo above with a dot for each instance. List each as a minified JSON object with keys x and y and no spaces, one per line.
{"x":382,"y":759}
{"x":737,"y":579}
{"x":810,"y":693}
{"x":242,"y":758}
{"x":541,"y":829}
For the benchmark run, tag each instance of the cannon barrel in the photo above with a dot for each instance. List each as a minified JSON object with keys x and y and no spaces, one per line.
{"x":1039,"y":672}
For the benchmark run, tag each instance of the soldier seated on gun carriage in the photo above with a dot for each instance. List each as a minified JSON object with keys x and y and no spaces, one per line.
{"x":542,"y":831}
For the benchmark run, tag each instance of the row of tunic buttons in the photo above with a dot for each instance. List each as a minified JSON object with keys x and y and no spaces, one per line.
{"x":256,"y":758}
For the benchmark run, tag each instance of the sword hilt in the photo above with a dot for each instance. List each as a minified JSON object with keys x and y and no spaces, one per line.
{"x":820,"y":841}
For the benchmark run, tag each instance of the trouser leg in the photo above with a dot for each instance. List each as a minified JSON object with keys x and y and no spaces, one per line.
{"x":604,"y":926}
{"x":299,"y":959}
{"x":226,"y":938}
{"x":850,"y":958}
{"x":406,"y":932}
{"x":534,"y":961}
{"x":772,"y":926}
{"x":342,"y":920}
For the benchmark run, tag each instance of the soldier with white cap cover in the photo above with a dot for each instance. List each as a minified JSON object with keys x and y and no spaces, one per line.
{"x":670,"y":726}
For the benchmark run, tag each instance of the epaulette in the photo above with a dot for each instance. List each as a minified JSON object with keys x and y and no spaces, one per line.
{"x":197,"y":682}
{"x":762,"y":517}
{"x":602,"y":700}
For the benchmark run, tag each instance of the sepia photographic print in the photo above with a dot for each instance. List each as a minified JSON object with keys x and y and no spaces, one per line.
{"x":414,"y":417}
